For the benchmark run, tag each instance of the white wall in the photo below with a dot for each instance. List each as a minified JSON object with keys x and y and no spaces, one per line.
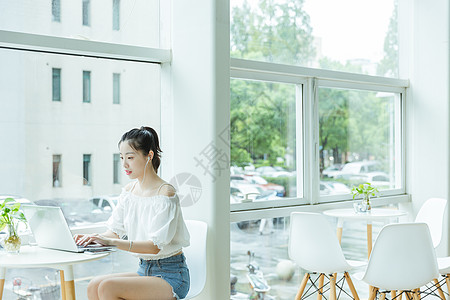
{"x":424,"y":49}
{"x":200,"y":112}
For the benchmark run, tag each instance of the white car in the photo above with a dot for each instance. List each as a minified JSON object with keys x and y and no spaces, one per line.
{"x":105,"y":202}
{"x":357,"y":168}
{"x":333,"y":188}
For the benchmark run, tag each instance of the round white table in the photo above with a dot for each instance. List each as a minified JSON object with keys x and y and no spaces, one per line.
{"x":36,"y":257}
{"x":349,"y":214}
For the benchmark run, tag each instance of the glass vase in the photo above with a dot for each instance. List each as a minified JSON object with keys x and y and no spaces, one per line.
{"x":12,"y":241}
{"x":362,"y":206}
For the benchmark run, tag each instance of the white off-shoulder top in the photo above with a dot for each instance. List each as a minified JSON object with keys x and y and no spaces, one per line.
{"x":157,"y":218}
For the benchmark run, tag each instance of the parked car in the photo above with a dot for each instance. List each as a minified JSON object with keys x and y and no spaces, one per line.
{"x":378,"y":179}
{"x":332,"y":171}
{"x":260,"y":182}
{"x":269,"y":171}
{"x":358,"y":167}
{"x":105,"y":202}
{"x":333,"y":188}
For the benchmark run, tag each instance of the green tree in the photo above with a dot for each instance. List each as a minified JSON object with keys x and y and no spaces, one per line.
{"x":389,"y":64}
{"x":262,"y":113}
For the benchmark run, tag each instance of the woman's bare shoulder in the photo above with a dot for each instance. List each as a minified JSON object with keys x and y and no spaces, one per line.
{"x":167,"y":190}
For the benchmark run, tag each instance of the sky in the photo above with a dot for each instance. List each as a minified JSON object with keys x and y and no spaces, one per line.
{"x":348,"y":29}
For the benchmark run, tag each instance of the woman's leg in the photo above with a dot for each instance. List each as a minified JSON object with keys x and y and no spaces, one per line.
{"x":92,"y":289}
{"x":134,"y":288}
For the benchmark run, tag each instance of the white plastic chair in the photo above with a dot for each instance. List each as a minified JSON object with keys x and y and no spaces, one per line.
{"x":432,"y":213}
{"x":403,"y":259}
{"x":314,"y":246}
{"x":196,"y":256}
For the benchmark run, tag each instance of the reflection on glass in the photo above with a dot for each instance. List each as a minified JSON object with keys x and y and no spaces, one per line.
{"x":263,"y":141}
{"x":267,"y":242}
{"x":62,"y":152}
{"x":318,"y":33}
{"x":358,"y":133}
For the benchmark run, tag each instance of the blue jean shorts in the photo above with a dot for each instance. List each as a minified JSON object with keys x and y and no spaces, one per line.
{"x":172,"y":269}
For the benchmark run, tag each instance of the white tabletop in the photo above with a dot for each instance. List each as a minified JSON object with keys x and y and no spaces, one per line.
{"x":375,"y":214}
{"x":36,"y":257}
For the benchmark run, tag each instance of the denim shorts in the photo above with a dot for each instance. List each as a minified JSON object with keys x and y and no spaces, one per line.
{"x":172,"y":269}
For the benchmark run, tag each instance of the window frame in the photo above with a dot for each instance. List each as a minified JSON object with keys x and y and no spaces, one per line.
{"x":308,"y":80}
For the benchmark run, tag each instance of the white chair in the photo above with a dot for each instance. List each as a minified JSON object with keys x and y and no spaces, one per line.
{"x":314,"y":246}
{"x":432,"y":214}
{"x":196,"y":256}
{"x":403,"y":259}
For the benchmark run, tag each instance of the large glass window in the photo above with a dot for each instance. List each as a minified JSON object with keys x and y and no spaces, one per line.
{"x":263,"y":129}
{"x":69,"y":129}
{"x":352,"y":36}
{"x":360,"y":139}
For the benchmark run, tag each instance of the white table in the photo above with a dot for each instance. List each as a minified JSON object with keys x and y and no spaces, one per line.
{"x":36,"y":257}
{"x":349,"y":214}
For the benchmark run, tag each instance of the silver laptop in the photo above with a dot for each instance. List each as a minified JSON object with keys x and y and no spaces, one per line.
{"x":51,"y":231}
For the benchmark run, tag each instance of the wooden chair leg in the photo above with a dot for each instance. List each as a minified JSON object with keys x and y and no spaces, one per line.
{"x":447,"y":280}
{"x":393,"y":294}
{"x":320,"y":290}
{"x":408,"y":296}
{"x":302,"y":287}
{"x":351,"y":286}
{"x":332,"y":287}
{"x":416,"y":294}
{"x":373,"y":293}
{"x":400,"y":295}
{"x":383,"y":296}
{"x":439,"y":288}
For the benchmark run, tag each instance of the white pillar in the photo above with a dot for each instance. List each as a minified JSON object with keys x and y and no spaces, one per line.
{"x":194,"y":121}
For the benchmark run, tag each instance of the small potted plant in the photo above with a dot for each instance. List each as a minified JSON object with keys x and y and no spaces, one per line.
{"x":10,"y":217}
{"x":366,"y":190}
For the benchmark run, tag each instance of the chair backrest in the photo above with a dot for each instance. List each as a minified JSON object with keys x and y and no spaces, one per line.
{"x":403,"y":258}
{"x":196,"y":256}
{"x":432,"y":213}
{"x":313,"y":244}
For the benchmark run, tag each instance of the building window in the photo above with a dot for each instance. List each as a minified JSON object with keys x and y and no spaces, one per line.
{"x":56,"y":170}
{"x":86,"y":12}
{"x":56,"y":10}
{"x":56,"y":84}
{"x":86,"y":169}
{"x":87,"y":86}
{"x":116,"y":14}
{"x":116,"y":168}
{"x":116,"y":88}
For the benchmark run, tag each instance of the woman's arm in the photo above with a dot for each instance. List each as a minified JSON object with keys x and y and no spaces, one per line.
{"x":109,"y":238}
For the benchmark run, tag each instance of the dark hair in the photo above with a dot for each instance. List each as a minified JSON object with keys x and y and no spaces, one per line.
{"x":144,"y":139}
